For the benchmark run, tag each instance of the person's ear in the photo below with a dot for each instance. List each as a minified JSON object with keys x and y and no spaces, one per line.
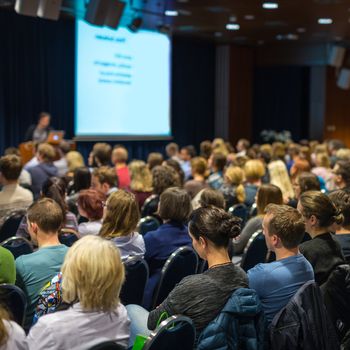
{"x":105,"y":187}
{"x":313,"y":220}
{"x":202,"y":242}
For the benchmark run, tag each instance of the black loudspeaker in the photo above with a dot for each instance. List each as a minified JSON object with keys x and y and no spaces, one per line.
{"x":105,"y":12}
{"x":27,"y":7}
{"x":336,"y":56}
{"x":343,"y":81}
{"x":49,"y":9}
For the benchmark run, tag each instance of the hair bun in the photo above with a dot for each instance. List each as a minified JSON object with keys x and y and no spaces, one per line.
{"x":231,"y":227}
{"x":339,"y":217}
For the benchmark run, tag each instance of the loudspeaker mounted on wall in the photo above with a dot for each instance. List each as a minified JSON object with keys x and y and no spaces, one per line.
{"x":343,"y":81}
{"x":336,"y":56}
{"x":49,"y":9}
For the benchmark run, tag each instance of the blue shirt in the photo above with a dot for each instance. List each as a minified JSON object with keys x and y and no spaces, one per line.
{"x":278,"y":281}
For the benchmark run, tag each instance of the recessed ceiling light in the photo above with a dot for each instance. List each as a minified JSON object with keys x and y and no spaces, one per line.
{"x":249,"y":17}
{"x":232,"y":26}
{"x":171,"y":13}
{"x":270,"y":5}
{"x":325,"y":21}
{"x":301,"y":30}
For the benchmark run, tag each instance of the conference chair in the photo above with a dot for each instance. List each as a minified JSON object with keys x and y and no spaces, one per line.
{"x":11,"y":223}
{"x":176,"y":332}
{"x":18,"y":246}
{"x":136,"y":277}
{"x":146,"y":224}
{"x":241,"y":211}
{"x":181,"y":263}
{"x":255,"y":251}
{"x":253,"y":210}
{"x":15,"y":300}
{"x":67,"y":237}
{"x":107,"y":345}
{"x":150,"y":205}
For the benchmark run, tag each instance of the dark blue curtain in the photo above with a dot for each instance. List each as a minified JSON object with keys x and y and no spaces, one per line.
{"x":281,"y":100}
{"x":37,"y":74}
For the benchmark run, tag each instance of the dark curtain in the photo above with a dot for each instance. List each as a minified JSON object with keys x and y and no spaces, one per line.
{"x":281,"y":100}
{"x":37,"y":74}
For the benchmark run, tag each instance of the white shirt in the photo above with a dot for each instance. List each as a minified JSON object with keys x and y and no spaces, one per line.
{"x":16,"y":337}
{"x":90,"y":228}
{"x":75,"y":329}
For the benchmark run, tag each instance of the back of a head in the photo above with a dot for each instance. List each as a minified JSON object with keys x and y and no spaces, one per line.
{"x":82,"y":179}
{"x":199,"y":166}
{"x":74,"y":160}
{"x":12,"y":151}
{"x":341,"y":200}
{"x":234,"y":175}
{"x":318,"y":204}
{"x":141,"y":176}
{"x":344,"y":170}
{"x":154,"y":159}
{"x":205,"y":149}
{"x":163,"y":177}
{"x":172,"y":163}
{"x":106,"y":174}
{"x":215,"y":225}
{"x":55,"y":188}
{"x":308,"y":182}
{"x":46,"y":152}
{"x":102,"y":153}
{"x":175,"y":205}
{"x":122,"y":215}
{"x":171,"y":149}
{"x":47,"y":214}
{"x":254,"y":170}
{"x":64,"y":146}
{"x":322,"y":160}
{"x":10,"y":167}
{"x":219,"y":161}
{"x":287,"y":223}
{"x":93,"y":273}
{"x":119,"y":154}
{"x":212,"y":197}
{"x":267,"y":194}
{"x":92,"y":202}
{"x":278,"y":150}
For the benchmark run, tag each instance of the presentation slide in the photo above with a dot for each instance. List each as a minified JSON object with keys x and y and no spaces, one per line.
{"x":122,"y":83}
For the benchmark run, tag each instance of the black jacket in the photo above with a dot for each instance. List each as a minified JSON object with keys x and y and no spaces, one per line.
{"x":304,"y":323}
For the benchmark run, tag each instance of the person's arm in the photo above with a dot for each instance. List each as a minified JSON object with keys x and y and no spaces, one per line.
{"x":256,"y":277}
{"x":40,"y":337}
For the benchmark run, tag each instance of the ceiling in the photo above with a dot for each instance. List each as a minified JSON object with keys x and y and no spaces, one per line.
{"x":294,"y":20}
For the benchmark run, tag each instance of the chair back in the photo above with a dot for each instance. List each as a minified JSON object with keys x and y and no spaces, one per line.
{"x":11,"y":223}
{"x":181,"y":263}
{"x":240,"y":210}
{"x":150,"y":205}
{"x":253,"y":211}
{"x":176,"y":332}
{"x":107,"y":345}
{"x":136,"y":277}
{"x":18,"y":246}
{"x":15,"y":300}
{"x":255,"y":252}
{"x":67,"y":237}
{"x":146,"y":224}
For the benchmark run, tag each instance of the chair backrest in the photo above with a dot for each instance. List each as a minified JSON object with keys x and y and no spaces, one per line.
{"x":150,"y":205}
{"x":146,"y":224}
{"x":181,"y":263}
{"x":107,"y":345}
{"x":15,"y":300}
{"x":240,"y":210}
{"x":176,"y":332}
{"x":253,"y":211}
{"x":255,"y":251}
{"x":11,"y":223}
{"x":18,"y":246}
{"x":136,"y":277}
{"x":67,"y":237}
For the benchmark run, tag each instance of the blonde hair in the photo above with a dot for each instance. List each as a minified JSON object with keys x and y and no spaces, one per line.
{"x":119,"y":154}
{"x":254,"y":169}
{"x":122,"y":215}
{"x":74,"y":160}
{"x":93,"y":274}
{"x":199,"y":166}
{"x":235,"y":176}
{"x":323,"y":160}
{"x":219,"y":146}
{"x":141,"y":176}
{"x":280,"y":178}
{"x":343,"y":154}
{"x":47,"y":152}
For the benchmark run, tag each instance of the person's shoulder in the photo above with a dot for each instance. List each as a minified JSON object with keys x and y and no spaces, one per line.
{"x":6,"y":254}
{"x":260,"y":269}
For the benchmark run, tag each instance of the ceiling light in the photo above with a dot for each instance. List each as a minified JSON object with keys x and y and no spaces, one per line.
{"x":232,"y":26}
{"x":270,"y":5}
{"x":249,"y":17}
{"x":325,"y":21}
{"x":171,"y":13}
{"x":301,"y":30}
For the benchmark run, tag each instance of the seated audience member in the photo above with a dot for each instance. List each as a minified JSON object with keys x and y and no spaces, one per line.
{"x":141,"y":181}
{"x":34,"y":161}
{"x":219,"y":146}
{"x":302,"y":183}
{"x":12,"y":195}
{"x":154,"y":159}
{"x":341,"y":173}
{"x":232,"y":188}
{"x":341,"y":200}
{"x":266,"y":194}
{"x":74,"y":161}
{"x":186,"y":154}
{"x":174,"y":209}
{"x":40,"y":131}
{"x":120,"y":219}
{"x":177,"y":167}
{"x":7,"y":267}
{"x":62,"y":164}
{"x":254,"y":170}
{"x":100,"y":155}
{"x":44,"y":170}
{"x":24,"y":179}
{"x":34,"y":270}
{"x":172,"y":151}
{"x":323,"y":170}
{"x":90,"y":206}
{"x":12,"y":336}
{"x":105,"y":180}
{"x":92,"y":277}
{"x":242,"y":147}
{"x":278,"y":281}
{"x":202,"y":296}
{"x":119,"y":159}
{"x":199,"y":172}
{"x":54,"y":188}
{"x":208,"y":197}
{"x":217,"y":163}
{"x":323,"y":251}
{"x":205,"y":149}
